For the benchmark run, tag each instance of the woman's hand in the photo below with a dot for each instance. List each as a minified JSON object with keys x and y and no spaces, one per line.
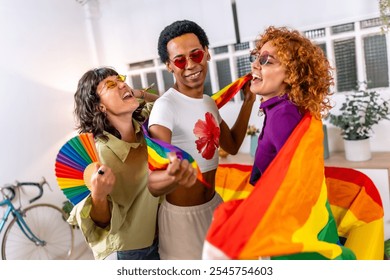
{"x":248,"y":95}
{"x":102,"y":182}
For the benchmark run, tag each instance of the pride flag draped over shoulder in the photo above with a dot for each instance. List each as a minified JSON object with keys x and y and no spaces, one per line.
{"x":158,"y":150}
{"x":287,"y":215}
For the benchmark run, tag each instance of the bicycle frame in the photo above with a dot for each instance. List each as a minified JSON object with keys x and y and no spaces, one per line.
{"x":20,"y":221}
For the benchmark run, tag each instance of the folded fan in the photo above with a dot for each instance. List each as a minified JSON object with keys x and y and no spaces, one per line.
{"x":74,"y":165}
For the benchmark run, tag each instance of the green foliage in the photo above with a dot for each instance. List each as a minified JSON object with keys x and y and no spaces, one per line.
{"x":359,"y":113}
{"x":67,"y":207}
{"x":387,"y":248}
{"x":384,"y":10}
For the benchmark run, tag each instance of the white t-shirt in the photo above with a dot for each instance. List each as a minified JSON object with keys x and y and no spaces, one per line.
{"x":181,"y":114}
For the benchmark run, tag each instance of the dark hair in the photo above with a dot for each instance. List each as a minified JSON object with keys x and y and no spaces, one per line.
{"x":89,"y":118}
{"x":177,"y":29}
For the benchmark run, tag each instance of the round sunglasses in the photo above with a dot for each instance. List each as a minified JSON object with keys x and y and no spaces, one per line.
{"x":181,"y":61}
{"x":110,"y":84}
{"x":263,"y":59}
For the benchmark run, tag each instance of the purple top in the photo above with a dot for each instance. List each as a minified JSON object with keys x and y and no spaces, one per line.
{"x":280,"y":118}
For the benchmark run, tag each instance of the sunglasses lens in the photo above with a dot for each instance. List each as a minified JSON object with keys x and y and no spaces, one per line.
{"x":180,"y":62}
{"x":197,"y":56}
{"x":110,"y":84}
{"x":263,"y":59}
{"x":121,"y":78}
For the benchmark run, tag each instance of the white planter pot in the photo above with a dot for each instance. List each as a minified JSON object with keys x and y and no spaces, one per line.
{"x":357,"y":150}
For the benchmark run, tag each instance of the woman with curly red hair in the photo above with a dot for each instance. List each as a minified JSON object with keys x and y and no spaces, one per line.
{"x":292,"y":76}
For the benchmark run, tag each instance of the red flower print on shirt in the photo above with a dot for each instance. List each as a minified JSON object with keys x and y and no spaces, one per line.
{"x":208,"y":136}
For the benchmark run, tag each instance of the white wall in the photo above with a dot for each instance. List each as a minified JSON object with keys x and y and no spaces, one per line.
{"x":44,"y":50}
{"x":129,"y":29}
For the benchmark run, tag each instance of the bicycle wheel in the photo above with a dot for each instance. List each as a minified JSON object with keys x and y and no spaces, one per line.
{"x":47,"y":222}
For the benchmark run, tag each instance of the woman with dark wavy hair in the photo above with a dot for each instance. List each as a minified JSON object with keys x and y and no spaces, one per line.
{"x":118,"y":218}
{"x":292,"y":76}
{"x":88,"y":114}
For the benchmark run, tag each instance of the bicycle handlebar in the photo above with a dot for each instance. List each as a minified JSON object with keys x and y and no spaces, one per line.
{"x":8,"y":192}
{"x":17,"y":184}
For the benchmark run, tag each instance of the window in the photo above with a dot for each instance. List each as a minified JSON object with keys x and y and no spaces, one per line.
{"x":375,"y":56}
{"x":152,"y":78}
{"x":241,"y":46}
{"x":243,"y":68}
{"x":243,"y":65}
{"x":207,"y":85}
{"x":322,"y":47}
{"x":345,"y":64}
{"x":168,"y":79}
{"x":224,"y":75}
{"x":343,"y":28}
{"x":136,"y":81}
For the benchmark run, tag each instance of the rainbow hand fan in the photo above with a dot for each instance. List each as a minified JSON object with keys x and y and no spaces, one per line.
{"x":74,"y":165}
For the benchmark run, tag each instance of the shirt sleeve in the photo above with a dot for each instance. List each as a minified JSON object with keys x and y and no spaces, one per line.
{"x":162,"y":114}
{"x":80,"y":215}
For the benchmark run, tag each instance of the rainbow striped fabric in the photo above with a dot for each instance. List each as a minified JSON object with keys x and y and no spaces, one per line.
{"x":158,"y":155}
{"x":227,"y":93}
{"x":358,"y":211}
{"x":158,"y":150}
{"x":287,"y":215}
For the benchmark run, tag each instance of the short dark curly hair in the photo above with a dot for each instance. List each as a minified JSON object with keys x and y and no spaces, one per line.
{"x":177,"y":29}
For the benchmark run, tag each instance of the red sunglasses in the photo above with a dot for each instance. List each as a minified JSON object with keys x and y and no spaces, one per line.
{"x":181,"y":62}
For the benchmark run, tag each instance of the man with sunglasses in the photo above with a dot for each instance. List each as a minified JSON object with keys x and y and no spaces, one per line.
{"x":189,"y":119}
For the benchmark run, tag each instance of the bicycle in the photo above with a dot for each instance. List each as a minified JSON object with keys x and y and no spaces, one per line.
{"x":39,"y":231}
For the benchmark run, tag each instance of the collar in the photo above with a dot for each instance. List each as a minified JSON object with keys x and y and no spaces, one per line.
{"x":272,"y":102}
{"x":119,"y":147}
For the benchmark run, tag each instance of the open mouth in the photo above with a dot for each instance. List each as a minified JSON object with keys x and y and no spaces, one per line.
{"x":256,"y":78}
{"x":128,"y":95}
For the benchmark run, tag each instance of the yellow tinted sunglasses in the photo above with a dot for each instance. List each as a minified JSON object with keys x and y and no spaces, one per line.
{"x":110,"y":84}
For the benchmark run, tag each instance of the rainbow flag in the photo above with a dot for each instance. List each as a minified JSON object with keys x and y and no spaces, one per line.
{"x":232,"y":181}
{"x":353,"y":198}
{"x":287,"y":213}
{"x":158,"y":155}
{"x":224,"y":95}
{"x":357,"y":207}
{"x":158,"y":150}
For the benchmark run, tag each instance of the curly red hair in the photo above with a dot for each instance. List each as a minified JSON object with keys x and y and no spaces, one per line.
{"x":309,"y":74}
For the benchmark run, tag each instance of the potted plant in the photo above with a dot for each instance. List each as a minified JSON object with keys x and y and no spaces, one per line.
{"x":360,"y":111}
{"x":253,"y":131}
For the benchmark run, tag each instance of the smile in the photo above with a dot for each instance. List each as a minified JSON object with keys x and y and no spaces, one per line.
{"x":193,"y":76}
